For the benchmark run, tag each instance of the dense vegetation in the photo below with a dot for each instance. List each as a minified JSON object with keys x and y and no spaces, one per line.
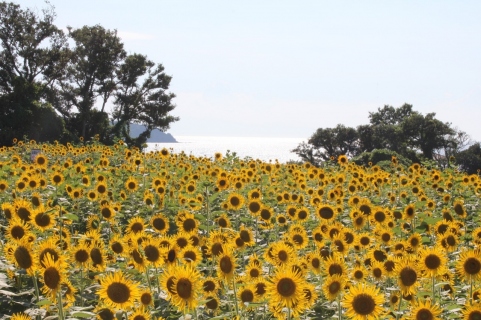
{"x":50,"y":90}
{"x":109,"y":232}
{"x":401,"y":132}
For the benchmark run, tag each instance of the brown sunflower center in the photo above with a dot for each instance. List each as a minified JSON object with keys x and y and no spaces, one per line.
{"x":117,"y":247}
{"x":234,"y":201}
{"x":17,"y":232}
{"x":106,"y":213}
{"x":23,"y":257}
{"x":212,"y":304}
{"x":226,"y":265}
{"x":254,"y":206}
{"x":247,"y":296}
{"x":137,"y":227}
{"x":334,"y":287}
{"x":244,"y":234}
{"x":106,"y":314}
{"x":209,"y":286}
{"x":432,"y":261}
{"x":424,"y":314}
{"x":96,"y":256}
{"x":358,"y":274}
{"x":42,"y":219}
{"x":472,"y":266}
{"x":458,"y":208}
{"x":81,"y":255}
{"x":326,"y":213}
{"x":159,"y":224}
{"x":184,"y":288}
{"x":51,"y":277}
{"x":189,"y":224}
{"x":222,"y":223}
{"x":474,"y":315}
{"x":408,"y":276}
{"x":190,"y":256}
{"x":298,"y":239}
{"x":23,"y":213}
{"x":152,"y":253}
{"x":286,"y":287}
{"x":137,"y":257}
{"x":50,"y":251}
{"x":335,"y":268}
{"x":118,"y":292}
{"x":363,"y":304}
{"x":380,"y":216}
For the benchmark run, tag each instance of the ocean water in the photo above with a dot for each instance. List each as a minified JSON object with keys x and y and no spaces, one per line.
{"x":264,"y":149}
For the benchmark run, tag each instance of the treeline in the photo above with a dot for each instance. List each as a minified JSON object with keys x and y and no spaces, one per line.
{"x":57,"y":86}
{"x":400,"y":132}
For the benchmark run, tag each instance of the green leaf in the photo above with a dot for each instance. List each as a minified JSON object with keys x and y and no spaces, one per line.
{"x":43,"y":302}
{"x":83,"y":314}
{"x":70,"y":216}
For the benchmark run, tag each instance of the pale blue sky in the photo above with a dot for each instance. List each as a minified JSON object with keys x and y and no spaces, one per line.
{"x":286,"y":68}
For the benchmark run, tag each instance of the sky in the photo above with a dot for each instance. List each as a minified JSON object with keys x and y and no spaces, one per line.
{"x":277,"y":68}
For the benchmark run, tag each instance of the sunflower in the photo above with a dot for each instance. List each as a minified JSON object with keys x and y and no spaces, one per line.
{"x":286,"y":288}
{"x":449,"y":241}
{"x":136,"y":226}
{"x":338,"y":245}
{"x":191,"y":255}
{"x":363,"y":302}
{"x":223,"y":221}
{"x":23,"y":209}
{"x":246,"y":235}
{"x":42,"y":220}
{"x":377,"y":270}
{"x":186,"y":286}
{"x":359,"y":273}
{"x":80,"y":254}
{"x":414,"y":241}
{"x":140,"y":314}
{"x":8,"y":210}
{"x":21,"y":254}
{"x":247,"y":295}
{"x":425,"y":310}
{"x":326,"y":212}
{"x":118,"y":245}
{"x":226,"y":265}
{"x":53,"y":274}
{"x":160,"y":223}
{"x":107,"y":212}
{"x":235,"y":201}
{"x":407,"y":275}
{"x":97,"y":258}
{"x":118,"y":291}
{"x":468,"y":265}
{"x":93,"y":223}
{"x":212,"y":303}
{"x":472,"y":312}
{"x":432,"y":261}
{"x":17,"y":229}
{"x":281,"y":253}
{"x":131,"y":184}
{"x":458,"y":207}
{"x":409,"y":212}
{"x":57,"y":178}
{"x":334,"y":265}
{"x":152,"y":252}
{"x":20,"y":316}
{"x":332,"y":286}
{"x":49,"y":246}
{"x":254,"y":206}
{"x":188,"y":223}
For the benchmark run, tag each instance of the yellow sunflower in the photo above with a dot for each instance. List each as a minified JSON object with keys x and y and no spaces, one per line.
{"x":332,"y":286}
{"x":286,"y":288}
{"x":235,"y":201}
{"x":432,"y":261}
{"x":363,"y":302}
{"x":468,"y":265}
{"x":53,"y":273}
{"x":425,"y":310}
{"x":118,"y":291}
{"x":407,"y":275}
{"x":472,"y":312}
{"x":186,"y":286}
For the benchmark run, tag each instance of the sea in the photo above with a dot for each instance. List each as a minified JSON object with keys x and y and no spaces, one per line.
{"x":264,"y":149}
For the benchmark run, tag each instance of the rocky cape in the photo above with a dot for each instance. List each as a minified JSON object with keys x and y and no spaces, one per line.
{"x":155,"y":136}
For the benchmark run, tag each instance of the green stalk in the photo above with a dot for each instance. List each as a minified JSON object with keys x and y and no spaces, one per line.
{"x":60,"y":306}
{"x":235,"y":297}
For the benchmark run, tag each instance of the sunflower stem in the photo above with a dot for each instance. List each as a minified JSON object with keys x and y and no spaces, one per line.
{"x":82,"y":286}
{"x":148,"y":278}
{"x":339,"y":307}
{"x":471,"y":292}
{"x":235,"y":297}
{"x":60,"y":306}
{"x":433,"y":287}
{"x":399,"y":306}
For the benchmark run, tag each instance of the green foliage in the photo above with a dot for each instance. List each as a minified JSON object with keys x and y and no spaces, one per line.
{"x":44,"y":81}
{"x":410,"y":135}
{"x":381,"y":157}
{"x":469,"y":160}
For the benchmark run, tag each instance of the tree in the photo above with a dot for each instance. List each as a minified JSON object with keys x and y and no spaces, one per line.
{"x":469,"y":160}
{"x":33,"y":56}
{"x":401,"y":130}
{"x":142,"y":98}
{"x":91,"y":73}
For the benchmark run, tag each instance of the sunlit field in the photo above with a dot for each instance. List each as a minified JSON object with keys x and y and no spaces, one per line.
{"x":108,"y":232}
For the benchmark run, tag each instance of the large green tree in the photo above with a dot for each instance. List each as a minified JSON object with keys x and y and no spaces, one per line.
{"x":33,"y":56}
{"x":401,"y":130}
{"x":49,"y":90}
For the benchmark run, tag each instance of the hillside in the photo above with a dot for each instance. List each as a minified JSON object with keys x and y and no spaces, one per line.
{"x":156,"y":136}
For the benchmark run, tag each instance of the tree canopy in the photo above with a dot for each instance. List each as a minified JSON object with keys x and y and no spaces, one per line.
{"x":400,"y":131}
{"x":50,"y":90}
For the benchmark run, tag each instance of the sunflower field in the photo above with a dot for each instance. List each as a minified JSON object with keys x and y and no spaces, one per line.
{"x":109,"y":232}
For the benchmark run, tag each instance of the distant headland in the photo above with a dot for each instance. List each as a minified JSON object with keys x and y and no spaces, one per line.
{"x":155,"y":136}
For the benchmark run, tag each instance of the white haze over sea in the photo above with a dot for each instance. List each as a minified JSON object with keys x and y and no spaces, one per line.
{"x":264,"y":149}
